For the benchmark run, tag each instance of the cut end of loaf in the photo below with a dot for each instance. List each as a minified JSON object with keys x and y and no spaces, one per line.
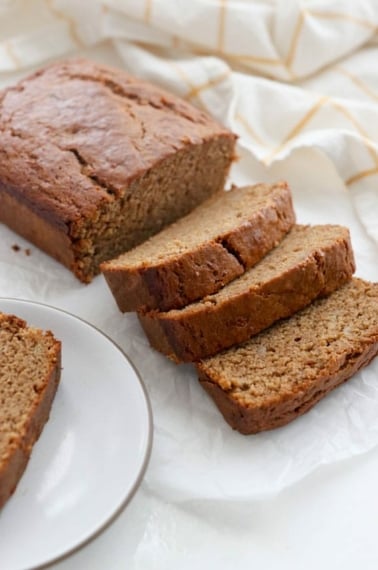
{"x":168,"y":191}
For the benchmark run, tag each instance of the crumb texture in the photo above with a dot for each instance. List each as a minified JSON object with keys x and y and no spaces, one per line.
{"x":201,"y":252}
{"x":311,"y":261}
{"x":29,"y":374}
{"x":280,"y":373}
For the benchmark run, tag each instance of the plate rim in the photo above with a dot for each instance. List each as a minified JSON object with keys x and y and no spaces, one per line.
{"x":112,"y":518}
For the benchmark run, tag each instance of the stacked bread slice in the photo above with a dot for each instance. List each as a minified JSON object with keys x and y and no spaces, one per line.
{"x":203,"y":251}
{"x":207,"y":288}
{"x":309,"y":262}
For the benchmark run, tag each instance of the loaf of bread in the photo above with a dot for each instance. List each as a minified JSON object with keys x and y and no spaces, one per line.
{"x":93,"y":161}
{"x":281,"y":373}
{"x":200,"y":253}
{"x":29,"y":376}
{"x":311,"y":261}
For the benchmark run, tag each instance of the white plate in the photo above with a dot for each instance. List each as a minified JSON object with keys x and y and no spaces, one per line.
{"x":92,"y":453}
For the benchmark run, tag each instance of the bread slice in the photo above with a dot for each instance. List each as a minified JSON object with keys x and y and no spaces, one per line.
{"x":203,"y":251}
{"x":29,"y":376}
{"x":281,"y":373}
{"x":308,"y":263}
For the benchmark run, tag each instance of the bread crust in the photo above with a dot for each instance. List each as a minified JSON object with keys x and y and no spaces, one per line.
{"x":92,"y":153}
{"x":13,"y":466}
{"x":201,"y":330}
{"x":174,"y":282}
{"x":30,"y":225}
{"x":265,"y":415}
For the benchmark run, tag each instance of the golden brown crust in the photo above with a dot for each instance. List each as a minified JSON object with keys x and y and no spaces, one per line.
{"x":208,"y":327}
{"x":77,"y":142}
{"x":13,"y":466}
{"x":173,"y":282}
{"x":176,"y":282}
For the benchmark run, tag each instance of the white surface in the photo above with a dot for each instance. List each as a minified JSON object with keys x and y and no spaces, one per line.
{"x":91,"y":455}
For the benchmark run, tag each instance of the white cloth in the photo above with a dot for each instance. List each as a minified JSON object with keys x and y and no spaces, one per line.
{"x":298,"y":82}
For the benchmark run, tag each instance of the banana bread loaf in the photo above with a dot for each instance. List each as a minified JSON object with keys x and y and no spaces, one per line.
{"x":93,"y":161}
{"x":281,"y":373}
{"x":29,"y":376}
{"x":309,"y":262}
{"x":203,"y":251}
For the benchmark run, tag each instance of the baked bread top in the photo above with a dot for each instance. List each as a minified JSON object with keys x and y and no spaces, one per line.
{"x":76,"y":133}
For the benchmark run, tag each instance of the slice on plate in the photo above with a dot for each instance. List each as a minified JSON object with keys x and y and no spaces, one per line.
{"x":281,"y":373}
{"x":203,"y":251}
{"x":29,"y":377}
{"x":311,"y":261}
